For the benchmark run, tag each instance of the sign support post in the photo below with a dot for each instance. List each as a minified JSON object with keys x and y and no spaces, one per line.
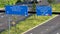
{"x":9,"y":24}
{"x":15,"y":10}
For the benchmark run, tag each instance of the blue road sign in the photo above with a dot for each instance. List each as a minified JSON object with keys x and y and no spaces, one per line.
{"x":16,"y":10}
{"x":44,"y":10}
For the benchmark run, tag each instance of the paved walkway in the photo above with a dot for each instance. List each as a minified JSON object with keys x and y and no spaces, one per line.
{"x":51,"y":27}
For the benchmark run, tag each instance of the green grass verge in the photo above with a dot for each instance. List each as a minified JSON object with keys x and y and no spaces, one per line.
{"x":56,"y":7}
{"x":30,"y":22}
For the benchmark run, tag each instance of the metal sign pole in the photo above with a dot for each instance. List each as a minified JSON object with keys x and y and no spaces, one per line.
{"x":9,"y":21}
{"x":14,"y":11}
{"x":9,"y":25}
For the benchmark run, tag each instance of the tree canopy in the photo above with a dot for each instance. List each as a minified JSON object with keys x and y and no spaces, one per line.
{"x":6,"y":2}
{"x":51,"y":1}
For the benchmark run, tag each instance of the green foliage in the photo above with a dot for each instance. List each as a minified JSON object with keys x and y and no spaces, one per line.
{"x":19,"y":1}
{"x":7,"y":2}
{"x":34,"y":6}
{"x":56,"y":7}
{"x":50,"y":1}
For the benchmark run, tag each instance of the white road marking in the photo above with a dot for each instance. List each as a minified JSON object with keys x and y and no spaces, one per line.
{"x":57,"y":33}
{"x":39,"y":24}
{"x":30,"y":33}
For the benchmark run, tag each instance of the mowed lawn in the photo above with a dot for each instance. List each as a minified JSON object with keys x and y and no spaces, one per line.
{"x":30,"y":22}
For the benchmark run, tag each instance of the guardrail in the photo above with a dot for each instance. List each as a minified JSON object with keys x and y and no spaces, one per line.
{"x":32,"y":12}
{"x":2,"y":9}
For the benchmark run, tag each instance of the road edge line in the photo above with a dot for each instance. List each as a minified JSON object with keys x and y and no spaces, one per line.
{"x":39,"y":24}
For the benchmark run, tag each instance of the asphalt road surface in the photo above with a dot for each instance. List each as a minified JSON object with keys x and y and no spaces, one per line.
{"x":51,"y":27}
{"x":4,"y":20}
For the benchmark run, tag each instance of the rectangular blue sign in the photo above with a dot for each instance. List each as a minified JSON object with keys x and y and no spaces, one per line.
{"x":44,"y":10}
{"x":16,"y":10}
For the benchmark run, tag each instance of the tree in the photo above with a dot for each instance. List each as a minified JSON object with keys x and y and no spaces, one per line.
{"x":34,"y":6}
{"x":19,"y":1}
{"x":51,"y":1}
